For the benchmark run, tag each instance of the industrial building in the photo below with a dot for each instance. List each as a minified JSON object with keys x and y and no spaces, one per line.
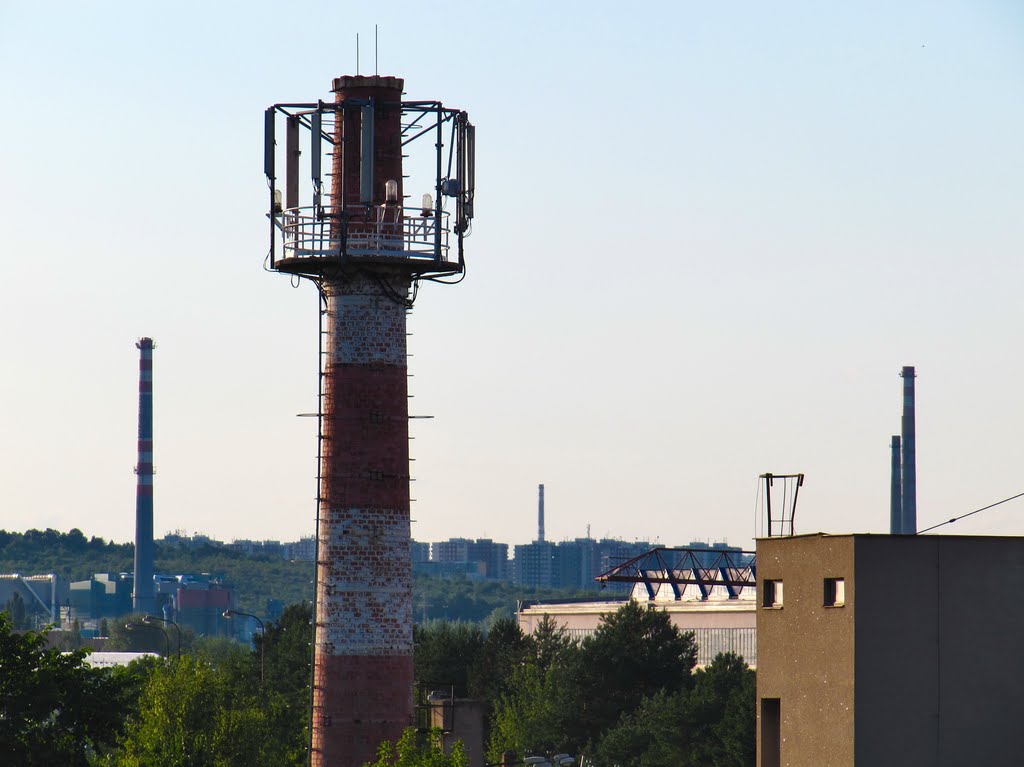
{"x":195,"y":601}
{"x":707,"y":591}
{"x":889,"y":650}
{"x":41,"y":595}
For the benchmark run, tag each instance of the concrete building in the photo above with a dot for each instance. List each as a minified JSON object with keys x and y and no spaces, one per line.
{"x":719,"y":625}
{"x":105,"y":595}
{"x":491,"y":557}
{"x":879,"y":650}
{"x":534,"y":565}
{"x":42,"y":595}
{"x":420,"y":551}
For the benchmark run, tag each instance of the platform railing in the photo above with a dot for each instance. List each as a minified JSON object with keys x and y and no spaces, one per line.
{"x":383,"y":231}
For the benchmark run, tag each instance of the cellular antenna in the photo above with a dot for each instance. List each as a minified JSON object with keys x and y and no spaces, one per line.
{"x":357,"y":54}
{"x":376,"y":71}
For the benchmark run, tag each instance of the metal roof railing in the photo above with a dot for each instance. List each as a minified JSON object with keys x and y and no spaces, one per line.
{"x":377,"y":231}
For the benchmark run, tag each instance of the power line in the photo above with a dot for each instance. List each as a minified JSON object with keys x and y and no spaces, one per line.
{"x":968,"y":514}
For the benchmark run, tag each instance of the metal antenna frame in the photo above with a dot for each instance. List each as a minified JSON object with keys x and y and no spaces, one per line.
{"x":769,"y":480}
{"x":455,"y":171}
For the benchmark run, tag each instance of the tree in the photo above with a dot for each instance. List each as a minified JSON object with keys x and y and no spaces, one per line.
{"x":194,"y":714}
{"x":550,"y":642}
{"x":710,"y":724}
{"x":54,"y":707}
{"x":16,"y":611}
{"x":504,"y":649}
{"x":635,"y":652}
{"x":444,"y":652}
{"x":723,"y":713}
{"x":409,"y":752}
{"x":571,"y":694}
{"x":531,"y":718}
{"x":288,"y":657}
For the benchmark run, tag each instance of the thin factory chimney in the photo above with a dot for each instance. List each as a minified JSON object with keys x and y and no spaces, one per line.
{"x":895,"y":490}
{"x":540,"y":513}
{"x":144,"y":599}
{"x":909,"y":516}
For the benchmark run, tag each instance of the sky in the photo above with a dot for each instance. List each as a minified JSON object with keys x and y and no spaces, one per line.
{"x":707,"y":238}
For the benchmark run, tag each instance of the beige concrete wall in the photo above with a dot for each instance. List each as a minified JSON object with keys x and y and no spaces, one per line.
{"x":806,"y":650}
{"x":685,"y":615}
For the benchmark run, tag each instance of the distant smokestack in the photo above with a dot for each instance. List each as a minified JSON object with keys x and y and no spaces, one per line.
{"x":909,"y":516}
{"x":540,"y":513}
{"x":144,"y":600}
{"x":896,"y":491}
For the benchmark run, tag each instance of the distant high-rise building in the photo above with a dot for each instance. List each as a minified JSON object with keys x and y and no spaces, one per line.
{"x":492,"y":557}
{"x":452,"y":550}
{"x":420,"y":551}
{"x":578,"y":563}
{"x":534,"y":565}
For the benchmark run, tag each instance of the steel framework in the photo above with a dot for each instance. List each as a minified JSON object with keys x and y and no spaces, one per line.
{"x":681,"y":567}
{"x":328,"y":229}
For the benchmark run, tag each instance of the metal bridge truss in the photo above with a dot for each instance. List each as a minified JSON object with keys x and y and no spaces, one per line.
{"x":681,"y":567}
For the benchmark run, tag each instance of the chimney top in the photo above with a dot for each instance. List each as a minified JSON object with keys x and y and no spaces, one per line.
{"x":346,"y":82}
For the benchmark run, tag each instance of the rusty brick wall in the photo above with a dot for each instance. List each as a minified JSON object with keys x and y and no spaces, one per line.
{"x":363,"y":656}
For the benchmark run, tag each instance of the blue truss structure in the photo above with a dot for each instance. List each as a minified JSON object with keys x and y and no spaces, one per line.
{"x":682,"y":567}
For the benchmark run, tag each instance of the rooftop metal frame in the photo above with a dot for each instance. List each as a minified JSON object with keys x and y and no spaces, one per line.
{"x":681,"y":567}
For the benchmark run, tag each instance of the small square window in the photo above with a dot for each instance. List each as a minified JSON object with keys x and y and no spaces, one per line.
{"x":772,"y":596}
{"x":835,"y":592}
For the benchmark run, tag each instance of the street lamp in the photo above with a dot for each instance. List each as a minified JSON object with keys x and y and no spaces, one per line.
{"x":148,"y":620}
{"x":263,"y":633}
{"x":167,"y":639}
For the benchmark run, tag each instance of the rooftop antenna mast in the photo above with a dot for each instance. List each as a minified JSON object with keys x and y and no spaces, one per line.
{"x":780,"y":520}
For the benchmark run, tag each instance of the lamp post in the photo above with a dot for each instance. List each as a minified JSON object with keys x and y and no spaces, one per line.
{"x":263,"y":633}
{"x":149,"y":621}
{"x":167,"y":639}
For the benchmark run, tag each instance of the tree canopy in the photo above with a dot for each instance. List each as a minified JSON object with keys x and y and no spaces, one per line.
{"x":709,"y":724}
{"x":54,"y":707}
{"x":571,"y":693}
{"x":413,"y":751}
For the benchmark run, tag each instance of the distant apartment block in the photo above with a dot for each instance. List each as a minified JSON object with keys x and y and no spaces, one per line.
{"x":534,"y":565}
{"x":302,"y":550}
{"x":485,"y":557}
{"x":420,"y":551}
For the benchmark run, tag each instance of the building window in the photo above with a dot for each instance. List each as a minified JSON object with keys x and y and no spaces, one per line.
{"x":835,"y":592}
{"x":772,"y":594}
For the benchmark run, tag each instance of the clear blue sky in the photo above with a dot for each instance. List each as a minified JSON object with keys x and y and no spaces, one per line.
{"x":708,"y":236}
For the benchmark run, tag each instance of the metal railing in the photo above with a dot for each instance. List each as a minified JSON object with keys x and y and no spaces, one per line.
{"x":374,"y":231}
